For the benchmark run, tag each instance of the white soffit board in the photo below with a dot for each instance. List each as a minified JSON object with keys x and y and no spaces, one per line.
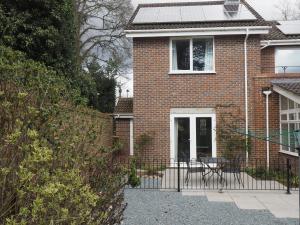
{"x":289,"y":27}
{"x":196,"y":13}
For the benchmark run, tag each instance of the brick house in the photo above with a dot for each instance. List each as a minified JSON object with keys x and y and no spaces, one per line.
{"x":202,"y":67}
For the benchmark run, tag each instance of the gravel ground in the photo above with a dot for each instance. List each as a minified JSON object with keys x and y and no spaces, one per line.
{"x":171,"y":208}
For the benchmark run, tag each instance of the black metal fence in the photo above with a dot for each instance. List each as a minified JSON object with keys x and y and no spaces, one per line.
{"x":212,"y":174}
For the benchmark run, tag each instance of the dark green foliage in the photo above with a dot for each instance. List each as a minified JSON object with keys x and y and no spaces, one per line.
{"x":43,"y":29}
{"x":280,"y":175}
{"x":101,"y":83}
{"x":133,"y":179}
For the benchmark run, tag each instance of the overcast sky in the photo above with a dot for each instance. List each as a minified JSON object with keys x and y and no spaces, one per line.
{"x":267,"y":8}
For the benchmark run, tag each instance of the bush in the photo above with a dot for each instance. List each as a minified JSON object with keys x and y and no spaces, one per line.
{"x":133,"y":179}
{"x":53,"y":169}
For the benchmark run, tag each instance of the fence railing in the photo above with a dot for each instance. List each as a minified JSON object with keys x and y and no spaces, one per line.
{"x":280,"y":69}
{"x":212,"y":174}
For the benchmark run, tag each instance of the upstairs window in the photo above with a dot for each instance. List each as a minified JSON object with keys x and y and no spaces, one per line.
{"x":192,"y":55}
{"x":287,"y":60}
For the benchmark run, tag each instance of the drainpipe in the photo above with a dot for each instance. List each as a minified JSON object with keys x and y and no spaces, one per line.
{"x":267,"y":93}
{"x":246,"y":92}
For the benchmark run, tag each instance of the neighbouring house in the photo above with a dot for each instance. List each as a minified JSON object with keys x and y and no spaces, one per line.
{"x":201,"y":68}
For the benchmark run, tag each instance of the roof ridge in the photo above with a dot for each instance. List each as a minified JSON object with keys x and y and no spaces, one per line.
{"x":166,"y":4}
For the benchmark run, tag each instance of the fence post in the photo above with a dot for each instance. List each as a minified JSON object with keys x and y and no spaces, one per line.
{"x":178,"y":176}
{"x":288,"y":170}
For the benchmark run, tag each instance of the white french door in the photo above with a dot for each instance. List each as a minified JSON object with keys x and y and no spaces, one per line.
{"x":192,"y":136}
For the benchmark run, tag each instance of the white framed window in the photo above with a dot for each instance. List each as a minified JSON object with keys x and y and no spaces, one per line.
{"x":192,"y":55}
{"x":289,"y":122}
{"x":287,"y":60}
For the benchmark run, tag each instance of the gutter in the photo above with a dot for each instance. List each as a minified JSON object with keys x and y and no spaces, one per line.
{"x":198,"y":31}
{"x":267,"y":43}
{"x":246,"y":92}
{"x":123,"y":116}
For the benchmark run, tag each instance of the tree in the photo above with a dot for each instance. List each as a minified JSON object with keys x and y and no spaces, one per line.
{"x":288,"y":10}
{"x":101,"y":48}
{"x":104,"y":96}
{"x":43,"y":29}
{"x":100,"y":28}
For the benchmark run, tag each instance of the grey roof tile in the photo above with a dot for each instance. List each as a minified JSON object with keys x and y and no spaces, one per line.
{"x":291,"y":85}
{"x":276,"y":34}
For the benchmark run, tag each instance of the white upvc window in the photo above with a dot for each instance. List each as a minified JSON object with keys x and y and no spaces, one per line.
{"x":192,"y":55}
{"x":287,"y":60}
{"x":289,"y":122}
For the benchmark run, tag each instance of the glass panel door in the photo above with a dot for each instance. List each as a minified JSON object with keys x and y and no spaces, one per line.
{"x":204,"y":137}
{"x":183,"y":138}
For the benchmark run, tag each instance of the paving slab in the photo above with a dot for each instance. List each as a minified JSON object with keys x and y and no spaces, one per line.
{"x":281,"y":205}
{"x":214,"y":196}
{"x":247,"y":202}
{"x":193,"y":193}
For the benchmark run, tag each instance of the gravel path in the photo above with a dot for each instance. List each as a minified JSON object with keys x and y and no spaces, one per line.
{"x":171,"y":208}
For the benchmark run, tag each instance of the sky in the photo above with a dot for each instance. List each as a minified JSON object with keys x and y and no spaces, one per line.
{"x":267,"y":8}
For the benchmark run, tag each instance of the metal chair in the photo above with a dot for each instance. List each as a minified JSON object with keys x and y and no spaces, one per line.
{"x":199,"y":168}
{"x":235,"y":168}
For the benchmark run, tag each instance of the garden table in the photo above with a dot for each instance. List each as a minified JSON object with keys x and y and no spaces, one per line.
{"x":214,"y":166}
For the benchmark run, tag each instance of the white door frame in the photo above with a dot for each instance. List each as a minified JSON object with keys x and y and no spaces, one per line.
{"x":192,"y":117}
{"x":131,"y":137}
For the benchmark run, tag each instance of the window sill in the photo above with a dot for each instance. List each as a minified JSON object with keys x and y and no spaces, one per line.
{"x":192,"y":72}
{"x":289,"y":153}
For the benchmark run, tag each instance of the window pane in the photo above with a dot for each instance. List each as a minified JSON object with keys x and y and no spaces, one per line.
{"x":284,"y":103}
{"x":181,"y":55}
{"x":203,"y":55}
{"x":296,"y":141}
{"x":292,"y":127}
{"x":287,"y":60}
{"x":284,"y":136}
{"x":203,"y":134}
{"x":291,"y":104}
{"x":292,"y":116}
{"x":284,"y":117}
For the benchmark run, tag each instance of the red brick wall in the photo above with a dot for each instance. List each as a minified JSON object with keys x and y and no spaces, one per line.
{"x":258,"y":103}
{"x":122,"y":132}
{"x":156,"y":92}
{"x":258,"y":114}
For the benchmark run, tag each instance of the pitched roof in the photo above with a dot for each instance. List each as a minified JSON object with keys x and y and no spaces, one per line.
{"x":291,"y":85}
{"x":125,"y":106}
{"x":276,"y":34}
{"x":201,"y":24}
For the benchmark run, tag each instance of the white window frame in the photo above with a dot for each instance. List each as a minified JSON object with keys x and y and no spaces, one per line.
{"x":277,"y":49}
{"x":193,"y":137}
{"x":288,"y":121}
{"x":191,"y":71}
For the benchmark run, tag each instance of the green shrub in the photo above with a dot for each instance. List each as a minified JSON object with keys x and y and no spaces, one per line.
{"x":53,"y":166}
{"x":133,"y":179}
